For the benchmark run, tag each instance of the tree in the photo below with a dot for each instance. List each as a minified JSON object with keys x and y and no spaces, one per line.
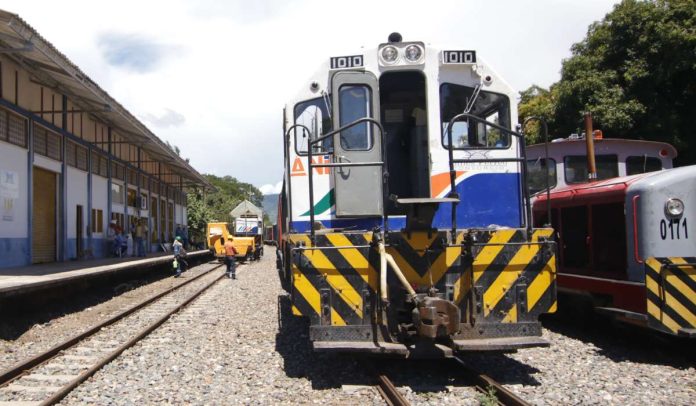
{"x":636,"y":72}
{"x":537,"y":102}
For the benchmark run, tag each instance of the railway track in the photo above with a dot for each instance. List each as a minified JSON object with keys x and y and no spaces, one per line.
{"x":48,"y":377}
{"x":489,"y":386}
{"x":483,"y":383}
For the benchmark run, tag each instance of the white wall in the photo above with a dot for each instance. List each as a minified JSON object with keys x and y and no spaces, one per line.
{"x":48,"y":163}
{"x":13,"y":221}
{"x":77,"y":195}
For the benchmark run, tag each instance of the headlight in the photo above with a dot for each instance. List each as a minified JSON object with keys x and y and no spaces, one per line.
{"x":674,"y":207}
{"x":389,"y":54}
{"x":414,"y":53}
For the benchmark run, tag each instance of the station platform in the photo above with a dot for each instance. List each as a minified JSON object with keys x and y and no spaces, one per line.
{"x":26,"y":279}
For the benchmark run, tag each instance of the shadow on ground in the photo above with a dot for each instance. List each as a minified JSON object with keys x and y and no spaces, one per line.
{"x":619,"y":341}
{"x":335,"y":370}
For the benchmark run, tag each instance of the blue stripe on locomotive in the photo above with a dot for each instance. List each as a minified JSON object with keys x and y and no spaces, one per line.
{"x":485,"y":199}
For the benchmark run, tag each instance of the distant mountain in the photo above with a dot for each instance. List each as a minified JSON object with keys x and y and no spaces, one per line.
{"x":270,"y":206}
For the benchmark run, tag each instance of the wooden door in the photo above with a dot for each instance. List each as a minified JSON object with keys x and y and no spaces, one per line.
{"x":43,"y":230}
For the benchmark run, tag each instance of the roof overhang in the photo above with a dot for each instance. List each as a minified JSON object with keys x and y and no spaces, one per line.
{"x":23,"y":44}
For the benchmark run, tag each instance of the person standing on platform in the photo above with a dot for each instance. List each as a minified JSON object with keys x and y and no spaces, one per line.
{"x":230,"y":259}
{"x":140,"y":236}
{"x":111,"y":232}
{"x":179,"y":253}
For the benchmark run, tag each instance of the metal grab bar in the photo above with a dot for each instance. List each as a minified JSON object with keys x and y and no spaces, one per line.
{"x":523,"y":158}
{"x":546,"y":149}
{"x":311,"y":166}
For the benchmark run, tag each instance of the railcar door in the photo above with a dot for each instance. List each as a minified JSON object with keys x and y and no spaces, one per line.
{"x":358,"y":189}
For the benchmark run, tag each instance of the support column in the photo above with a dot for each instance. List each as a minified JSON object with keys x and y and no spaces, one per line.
{"x":30,"y":188}
{"x":109,"y":198}
{"x":64,"y":187}
{"x":89,"y":198}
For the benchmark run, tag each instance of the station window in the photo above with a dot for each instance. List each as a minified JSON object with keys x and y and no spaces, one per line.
{"x":355,"y":103}
{"x":47,"y":143}
{"x":576,"y":167}
{"x":119,"y":219}
{"x":132,"y":194}
{"x":313,"y":114}
{"x":536,"y":171}
{"x":117,"y":193}
{"x":13,"y":128}
{"x":488,"y":106}
{"x":117,"y":171}
{"x":642,"y":164}
{"x":97,"y":220}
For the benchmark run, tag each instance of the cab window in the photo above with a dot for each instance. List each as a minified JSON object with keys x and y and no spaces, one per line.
{"x":354,"y":104}
{"x":642,"y":164}
{"x":488,"y":106}
{"x":536,"y":171}
{"x":576,"y":167}
{"x":313,"y":114}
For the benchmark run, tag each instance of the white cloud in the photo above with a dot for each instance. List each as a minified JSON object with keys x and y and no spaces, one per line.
{"x":269,"y":189}
{"x":228,"y":69}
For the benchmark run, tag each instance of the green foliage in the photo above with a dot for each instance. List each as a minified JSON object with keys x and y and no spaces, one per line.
{"x":488,"y":398}
{"x":536,"y":102}
{"x":635,"y":71}
{"x":216,"y":206}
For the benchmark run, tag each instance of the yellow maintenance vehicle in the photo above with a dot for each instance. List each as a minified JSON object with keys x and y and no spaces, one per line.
{"x":245,"y":246}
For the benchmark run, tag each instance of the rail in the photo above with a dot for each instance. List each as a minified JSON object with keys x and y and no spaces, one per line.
{"x":18,"y":370}
{"x":522,"y":160}
{"x":311,"y":165}
{"x":483,"y":382}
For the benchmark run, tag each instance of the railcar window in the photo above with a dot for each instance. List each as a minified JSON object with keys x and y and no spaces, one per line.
{"x":489,"y":106}
{"x":576,"y":167}
{"x":642,"y":164}
{"x":314,"y":115}
{"x":536,"y":170}
{"x":354,"y":104}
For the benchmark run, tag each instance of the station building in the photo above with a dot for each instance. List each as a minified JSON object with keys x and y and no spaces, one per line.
{"x":72,"y":159}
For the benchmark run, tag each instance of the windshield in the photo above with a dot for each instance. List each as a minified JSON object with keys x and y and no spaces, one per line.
{"x":489,"y":106}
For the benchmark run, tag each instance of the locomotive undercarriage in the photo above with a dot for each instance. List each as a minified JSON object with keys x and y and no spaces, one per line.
{"x":482,"y":290}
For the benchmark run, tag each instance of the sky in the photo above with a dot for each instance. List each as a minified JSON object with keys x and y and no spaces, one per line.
{"x":212,"y":76}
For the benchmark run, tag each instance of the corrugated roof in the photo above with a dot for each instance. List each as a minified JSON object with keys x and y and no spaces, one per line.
{"x":55,"y":70}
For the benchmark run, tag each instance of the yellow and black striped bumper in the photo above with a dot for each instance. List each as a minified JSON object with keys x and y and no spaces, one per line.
{"x":495,"y":277}
{"x":670,"y":285}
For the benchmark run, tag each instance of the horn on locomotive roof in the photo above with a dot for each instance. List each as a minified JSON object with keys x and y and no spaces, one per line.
{"x":395,"y":37}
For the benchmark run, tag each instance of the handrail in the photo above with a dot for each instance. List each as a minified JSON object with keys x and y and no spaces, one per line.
{"x":523,"y":176}
{"x":311,"y":166}
{"x":544,"y":125}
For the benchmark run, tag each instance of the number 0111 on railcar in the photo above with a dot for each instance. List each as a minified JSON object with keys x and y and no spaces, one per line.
{"x":404,"y":221}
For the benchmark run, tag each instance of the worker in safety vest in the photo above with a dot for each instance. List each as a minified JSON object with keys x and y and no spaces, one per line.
{"x":230,"y":259}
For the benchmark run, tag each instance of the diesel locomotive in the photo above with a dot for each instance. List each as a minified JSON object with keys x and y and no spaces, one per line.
{"x":404,"y":222}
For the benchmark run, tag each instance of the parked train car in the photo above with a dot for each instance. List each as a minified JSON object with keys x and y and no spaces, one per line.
{"x":404,"y":223}
{"x":624,"y":239}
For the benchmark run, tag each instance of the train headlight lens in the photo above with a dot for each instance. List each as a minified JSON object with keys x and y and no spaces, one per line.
{"x":389,"y":54}
{"x":674,"y":207}
{"x":414,"y":53}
